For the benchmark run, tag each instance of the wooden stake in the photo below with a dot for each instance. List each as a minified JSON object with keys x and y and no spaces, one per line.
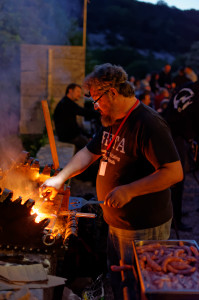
{"x":50,"y":134}
{"x":84,"y":24}
{"x":49,"y":74}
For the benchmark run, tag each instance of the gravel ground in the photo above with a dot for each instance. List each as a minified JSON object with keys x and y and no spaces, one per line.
{"x":191,"y":208}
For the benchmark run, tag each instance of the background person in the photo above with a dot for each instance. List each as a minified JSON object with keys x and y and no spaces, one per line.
{"x":139,"y":163}
{"x":66,"y":111}
{"x":182,"y":116}
{"x":165,"y":76}
{"x":145,"y":97}
{"x":155,"y":87}
{"x":160,"y":96}
{"x":190,"y":74}
{"x":145,"y":83}
{"x":180,"y":79}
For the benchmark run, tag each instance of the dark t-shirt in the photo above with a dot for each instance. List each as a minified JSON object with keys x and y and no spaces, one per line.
{"x":164,"y":78}
{"x":182,"y":112}
{"x":143,"y":144}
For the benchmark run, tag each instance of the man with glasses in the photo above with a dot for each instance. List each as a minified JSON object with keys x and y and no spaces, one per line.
{"x":139,"y":163}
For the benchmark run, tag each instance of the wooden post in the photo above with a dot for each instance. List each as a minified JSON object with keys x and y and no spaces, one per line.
{"x":49,"y":74}
{"x":84,"y":24}
{"x":50,"y":133}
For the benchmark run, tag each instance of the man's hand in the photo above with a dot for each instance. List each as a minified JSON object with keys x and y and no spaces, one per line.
{"x":163,"y":178}
{"x":50,"y":187}
{"x":118,"y":197}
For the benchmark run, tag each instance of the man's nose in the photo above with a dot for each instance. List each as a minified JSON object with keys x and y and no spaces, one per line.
{"x":96,"y":106}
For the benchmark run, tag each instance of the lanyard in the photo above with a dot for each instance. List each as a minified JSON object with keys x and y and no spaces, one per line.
{"x":119,"y":128}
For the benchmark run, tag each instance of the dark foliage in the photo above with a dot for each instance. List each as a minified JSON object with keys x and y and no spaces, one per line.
{"x":137,"y":35}
{"x":144,"y":26}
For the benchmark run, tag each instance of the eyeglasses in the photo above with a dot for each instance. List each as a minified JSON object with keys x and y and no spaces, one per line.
{"x":95,"y":101}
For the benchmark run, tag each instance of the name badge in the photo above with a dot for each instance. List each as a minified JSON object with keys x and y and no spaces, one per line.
{"x":102,"y":168}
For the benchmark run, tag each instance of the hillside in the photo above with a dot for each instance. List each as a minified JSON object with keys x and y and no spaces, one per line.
{"x":142,"y":25}
{"x":125,"y":31}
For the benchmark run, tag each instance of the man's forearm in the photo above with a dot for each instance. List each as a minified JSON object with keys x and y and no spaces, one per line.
{"x":161,"y":179}
{"x":79,"y":162}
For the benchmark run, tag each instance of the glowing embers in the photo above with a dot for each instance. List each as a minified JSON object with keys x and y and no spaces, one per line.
{"x":40,"y":216}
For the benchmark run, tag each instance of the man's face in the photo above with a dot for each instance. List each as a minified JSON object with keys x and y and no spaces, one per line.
{"x":75,"y":94}
{"x":187,"y":70}
{"x":147,"y":100}
{"x":167,"y":68}
{"x":104,"y":107}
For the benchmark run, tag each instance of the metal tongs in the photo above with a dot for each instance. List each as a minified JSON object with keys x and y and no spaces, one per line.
{"x":79,"y":202}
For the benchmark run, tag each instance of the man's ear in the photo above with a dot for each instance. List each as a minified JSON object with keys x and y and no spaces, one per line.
{"x":114,"y":93}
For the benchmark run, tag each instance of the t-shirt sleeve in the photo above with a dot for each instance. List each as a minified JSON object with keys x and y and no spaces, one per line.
{"x":94,"y":145}
{"x":158,"y":145}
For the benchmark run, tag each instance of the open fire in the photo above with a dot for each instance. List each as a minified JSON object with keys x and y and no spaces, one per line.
{"x":25,"y":216}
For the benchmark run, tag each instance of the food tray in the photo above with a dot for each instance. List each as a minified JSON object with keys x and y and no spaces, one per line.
{"x":149,"y":290}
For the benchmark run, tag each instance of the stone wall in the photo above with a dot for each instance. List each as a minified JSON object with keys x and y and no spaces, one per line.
{"x":45,"y":72}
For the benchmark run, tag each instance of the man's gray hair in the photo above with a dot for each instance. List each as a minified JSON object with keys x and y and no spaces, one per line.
{"x":106,"y":76}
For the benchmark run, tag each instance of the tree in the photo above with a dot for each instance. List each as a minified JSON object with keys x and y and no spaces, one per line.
{"x":192,"y":57}
{"x":162,"y":2}
{"x":32,"y":22}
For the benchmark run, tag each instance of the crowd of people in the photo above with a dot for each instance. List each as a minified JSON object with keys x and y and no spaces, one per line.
{"x":156,"y":90}
{"x":161,"y":85}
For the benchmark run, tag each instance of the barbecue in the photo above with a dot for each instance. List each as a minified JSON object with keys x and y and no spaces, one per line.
{"x":34,"y":222}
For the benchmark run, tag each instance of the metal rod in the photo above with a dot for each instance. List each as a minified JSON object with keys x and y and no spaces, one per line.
{"x":125,"y":288}
{"x":77,"y":214}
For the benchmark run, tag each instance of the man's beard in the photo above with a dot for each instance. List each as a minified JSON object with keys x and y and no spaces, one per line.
{"x":107,"y":120}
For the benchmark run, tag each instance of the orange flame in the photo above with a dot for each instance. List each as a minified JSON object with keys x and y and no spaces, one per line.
{"x":40,"y":215}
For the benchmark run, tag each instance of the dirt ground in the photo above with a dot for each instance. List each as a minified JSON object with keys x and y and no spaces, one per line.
{"x":190,"y":208}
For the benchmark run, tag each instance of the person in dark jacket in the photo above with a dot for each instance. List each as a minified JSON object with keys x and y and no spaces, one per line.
{"x":182,"y":116}
{"x":165,"y":76}
{"x":180,"y":79}
{"x":66,"y":126}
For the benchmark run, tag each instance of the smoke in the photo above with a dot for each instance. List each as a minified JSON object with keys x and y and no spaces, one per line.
{"x":10,"y":148}
{"x":10,"y":143}
{"x":27,"y":22}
